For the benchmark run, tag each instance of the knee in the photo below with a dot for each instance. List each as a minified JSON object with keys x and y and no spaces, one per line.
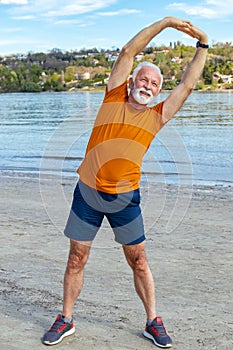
{"x":139,"y":264}
{"x":76,"y":262}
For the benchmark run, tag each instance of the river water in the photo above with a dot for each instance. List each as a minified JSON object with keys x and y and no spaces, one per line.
{"x":48,"y":132}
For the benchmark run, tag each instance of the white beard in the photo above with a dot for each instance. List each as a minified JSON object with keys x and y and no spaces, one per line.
{"x":142,"y":99}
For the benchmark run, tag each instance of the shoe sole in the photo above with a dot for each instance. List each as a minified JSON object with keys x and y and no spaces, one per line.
{"x":70,"y":332}
{"x":149,"y":336}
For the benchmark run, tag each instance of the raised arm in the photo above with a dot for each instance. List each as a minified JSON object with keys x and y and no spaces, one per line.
{"x":177,"y":97}
{"x":124,"y":63}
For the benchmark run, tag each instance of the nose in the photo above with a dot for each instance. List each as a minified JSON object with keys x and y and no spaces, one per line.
{"x":147,"y":85}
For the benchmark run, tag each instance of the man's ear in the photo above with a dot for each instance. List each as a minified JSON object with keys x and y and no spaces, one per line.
{"x":130,"y":83}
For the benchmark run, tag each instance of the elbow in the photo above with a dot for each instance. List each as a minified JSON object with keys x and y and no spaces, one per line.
{"x":188,"y":86}
{"x":125,"y":51}
{"x":185,"y":89}
{"x":130,"y":50}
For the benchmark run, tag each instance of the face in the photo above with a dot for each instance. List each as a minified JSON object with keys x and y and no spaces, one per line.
{"x":146,"y":85}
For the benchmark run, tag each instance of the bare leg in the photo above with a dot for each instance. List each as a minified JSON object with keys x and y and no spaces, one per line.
{"x":143,"y":279}
{"x":74,"y":274}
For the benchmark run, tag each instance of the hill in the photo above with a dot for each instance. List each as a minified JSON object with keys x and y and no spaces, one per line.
{"x":90,"y":68}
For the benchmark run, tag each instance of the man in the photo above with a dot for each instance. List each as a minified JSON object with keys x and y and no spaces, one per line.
{"x":110,"y":173}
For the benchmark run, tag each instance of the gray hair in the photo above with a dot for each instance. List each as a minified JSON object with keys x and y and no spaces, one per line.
{"x":147,"y":64}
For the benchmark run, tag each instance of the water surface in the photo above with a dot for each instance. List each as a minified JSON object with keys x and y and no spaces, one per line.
{"x":51,"y":130}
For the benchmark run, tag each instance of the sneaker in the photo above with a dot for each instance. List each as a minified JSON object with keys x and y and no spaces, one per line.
{"x":58,"y":331}
{"x":157,"y":333}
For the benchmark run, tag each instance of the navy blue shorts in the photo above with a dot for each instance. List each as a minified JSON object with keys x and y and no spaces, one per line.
{"x":122,"y":211}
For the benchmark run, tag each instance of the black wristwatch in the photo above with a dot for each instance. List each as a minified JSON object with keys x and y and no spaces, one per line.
{"x":204,"y":46}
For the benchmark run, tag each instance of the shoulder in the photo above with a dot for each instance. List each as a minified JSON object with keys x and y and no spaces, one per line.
{"x":159,"y":108}
{"x":118,"y":94}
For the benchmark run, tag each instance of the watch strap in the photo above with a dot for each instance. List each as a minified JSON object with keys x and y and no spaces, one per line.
{"x":204,"y":46}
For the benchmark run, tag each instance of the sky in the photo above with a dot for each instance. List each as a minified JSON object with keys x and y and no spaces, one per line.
{"x":42,"y":25}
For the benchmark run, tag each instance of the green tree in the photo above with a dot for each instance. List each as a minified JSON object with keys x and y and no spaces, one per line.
{"x":30,"y":86}
{"x":8,"y":80}
{"x":207,"y":74}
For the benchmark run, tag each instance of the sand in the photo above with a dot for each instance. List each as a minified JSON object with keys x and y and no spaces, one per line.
{"x":189,"y":247}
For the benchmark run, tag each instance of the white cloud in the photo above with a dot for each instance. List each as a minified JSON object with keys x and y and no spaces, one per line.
{"x":219,"y":3}
{"x":74,"y":22}
{"x":78,"y":7}
{"x":60,"y":8}
{"x":14,"y":2}
{"x":208,"y":8}
{"x":120,"y":12}
{"x":24,"y":18}
{"x":68,"y":21}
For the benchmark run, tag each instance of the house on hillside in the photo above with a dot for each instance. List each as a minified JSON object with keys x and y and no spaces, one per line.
{"x":83,"y":76}
{"x":226,"y":79}
{"x":111,"y":56}
{"x":139,"y":57}
{"x":176,"y":59}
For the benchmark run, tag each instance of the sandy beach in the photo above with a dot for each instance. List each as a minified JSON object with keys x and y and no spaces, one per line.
{"x":189,"y":247}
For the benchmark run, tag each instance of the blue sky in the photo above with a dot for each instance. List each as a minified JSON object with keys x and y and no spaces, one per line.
{"x":41,"y":25}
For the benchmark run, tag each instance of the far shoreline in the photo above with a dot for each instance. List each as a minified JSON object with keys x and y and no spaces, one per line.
{"x":102,"y":89}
